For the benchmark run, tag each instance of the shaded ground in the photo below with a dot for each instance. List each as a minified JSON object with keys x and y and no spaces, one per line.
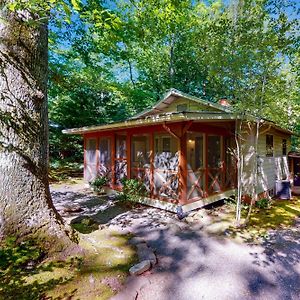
{"x":193,"y":264}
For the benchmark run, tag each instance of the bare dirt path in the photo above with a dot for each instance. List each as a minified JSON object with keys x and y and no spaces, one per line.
{"x":195,"y":265}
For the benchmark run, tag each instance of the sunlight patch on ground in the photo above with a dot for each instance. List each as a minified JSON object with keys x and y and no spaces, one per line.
{"x":281,"y":214}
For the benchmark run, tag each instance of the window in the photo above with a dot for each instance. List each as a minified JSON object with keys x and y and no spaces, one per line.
{"x":269,"y":145}
{"x":284,"y":147}
{"x":181,"y":107}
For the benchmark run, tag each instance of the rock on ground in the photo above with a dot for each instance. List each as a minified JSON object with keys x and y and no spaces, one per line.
{"x":140,"y":268}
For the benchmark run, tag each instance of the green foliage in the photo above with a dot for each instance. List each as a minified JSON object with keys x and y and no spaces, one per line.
{"x":98,"y":183}
{"x":263,"y":203}
{"x":64,"y":168}
{"x":132,"y":190}
{"x":115,"y":60}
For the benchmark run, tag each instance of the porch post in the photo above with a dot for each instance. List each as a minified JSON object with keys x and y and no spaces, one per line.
{"x":97,"y":155}
{"x":113,"y":159}
{"x":151,"y":165}
{"x":182,"y":170}
{"x":84,"y":157}
{"x":223,"y":164}
{"x":206,"y":164}
{"x":128,"y":154}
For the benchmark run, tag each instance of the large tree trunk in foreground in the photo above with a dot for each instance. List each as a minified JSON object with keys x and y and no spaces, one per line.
{"x":26,"y":209}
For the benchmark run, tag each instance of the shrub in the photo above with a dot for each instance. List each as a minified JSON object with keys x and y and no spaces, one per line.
{"x":262,"y":203}
{"x":132,"y":190}
{"x":98,"y":183}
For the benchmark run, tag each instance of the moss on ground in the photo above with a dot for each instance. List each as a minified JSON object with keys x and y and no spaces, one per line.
{"x":103,"y":269}
{"x":99,"y":274}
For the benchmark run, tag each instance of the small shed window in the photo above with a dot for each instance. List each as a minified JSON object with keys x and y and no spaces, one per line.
{"x":269,"y":145}
{"x":181,"y":107}
{"x":284,"y":147}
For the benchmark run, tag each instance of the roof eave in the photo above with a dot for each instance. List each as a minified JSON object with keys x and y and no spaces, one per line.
{"x":152,"y":120}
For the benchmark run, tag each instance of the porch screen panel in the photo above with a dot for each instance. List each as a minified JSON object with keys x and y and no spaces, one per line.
{"x":105,"y":157}
{"x":121,"y":158}
{"x":166,"y":167}
{"x":195,"y":165}
{"x":214,"y":164}
{"x":90,"y":171}
{"x":230,"y":163}
{"x":140,"y":159}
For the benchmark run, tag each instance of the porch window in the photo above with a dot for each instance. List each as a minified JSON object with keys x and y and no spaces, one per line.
{"x":284,"y":147}
{"x":90,"y":170}
{"x":91,"y":145}
{"x":104,"y":157}
{"x":230,"y":162}
{"x":269,"y":145}
{"x":166,"y":144}
{"x":121,"y":159}
{"x":121,"y":146}
{"x":214,"y":164}
{"x":165,"y":167}
{"x":140,"y":159}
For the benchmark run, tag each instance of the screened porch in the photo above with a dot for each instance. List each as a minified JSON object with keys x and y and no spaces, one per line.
{"x":179,"y":163}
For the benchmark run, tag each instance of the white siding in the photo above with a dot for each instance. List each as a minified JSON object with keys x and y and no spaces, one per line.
{"x":270,"y":169}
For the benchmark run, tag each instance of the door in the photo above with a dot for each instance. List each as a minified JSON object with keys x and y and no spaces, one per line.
{"x":196,"y":166}
{"x":214,"y":164}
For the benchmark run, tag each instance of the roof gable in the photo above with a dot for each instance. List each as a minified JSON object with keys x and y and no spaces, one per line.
{"x":176,"y":101}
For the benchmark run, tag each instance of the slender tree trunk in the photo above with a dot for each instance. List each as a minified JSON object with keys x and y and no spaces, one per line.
{"x":254,"y":197}
{"x":240,"y":167}
{"x":26,"y":208}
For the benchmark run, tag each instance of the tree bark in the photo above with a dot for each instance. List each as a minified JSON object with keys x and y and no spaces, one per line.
{"x":26,"y":208}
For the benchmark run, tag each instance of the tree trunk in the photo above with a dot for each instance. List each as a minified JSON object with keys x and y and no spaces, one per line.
{"x":240,"y":170}
{"x":26,"y":208}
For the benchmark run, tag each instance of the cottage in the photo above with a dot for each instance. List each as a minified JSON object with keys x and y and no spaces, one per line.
{"x":184,"y":151}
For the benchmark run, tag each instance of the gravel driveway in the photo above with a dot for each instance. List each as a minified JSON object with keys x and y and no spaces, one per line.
{"x":191,"y":263}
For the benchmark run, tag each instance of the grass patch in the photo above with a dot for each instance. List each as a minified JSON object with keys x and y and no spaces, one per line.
{"x":279,"y":214}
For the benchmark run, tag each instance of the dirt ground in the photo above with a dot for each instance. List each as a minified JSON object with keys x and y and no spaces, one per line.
{"x":193,"y":263}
